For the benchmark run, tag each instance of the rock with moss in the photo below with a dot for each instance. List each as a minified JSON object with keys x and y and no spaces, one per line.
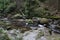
{"x":44,"y":20}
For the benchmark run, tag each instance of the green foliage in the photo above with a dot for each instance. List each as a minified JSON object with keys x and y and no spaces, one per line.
{"x":1,"y":4}
{"x":3,"y":35}
{"x":32,"y":8}
{"x":6,"y":6}
{"x":42,"y":0}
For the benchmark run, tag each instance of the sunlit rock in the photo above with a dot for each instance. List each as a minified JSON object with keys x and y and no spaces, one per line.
{"x":44,"y":20}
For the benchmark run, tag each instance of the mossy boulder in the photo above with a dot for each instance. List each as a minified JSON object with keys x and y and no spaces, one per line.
{"x":44,"y":20}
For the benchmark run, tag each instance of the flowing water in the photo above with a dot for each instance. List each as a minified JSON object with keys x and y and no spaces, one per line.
{"x":36,"y":33}
{"x":28,"y":35}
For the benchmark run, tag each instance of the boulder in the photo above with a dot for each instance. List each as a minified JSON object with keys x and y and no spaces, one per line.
{"x":44,"y":20}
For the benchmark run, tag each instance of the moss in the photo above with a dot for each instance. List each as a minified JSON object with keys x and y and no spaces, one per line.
{"x":52,"y":17}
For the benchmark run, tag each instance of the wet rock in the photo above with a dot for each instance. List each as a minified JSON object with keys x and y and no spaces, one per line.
{"x":43,"y":38}
{"x":41,"y":26}
{"x":24,"y":29}
{"x":54,"y":28}
{"x":36,"y":20}
{"x":19,"y":22}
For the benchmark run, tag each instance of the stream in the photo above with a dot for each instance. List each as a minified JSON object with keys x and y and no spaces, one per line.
{"x":37,"y":32}
{"x":28,"y":35}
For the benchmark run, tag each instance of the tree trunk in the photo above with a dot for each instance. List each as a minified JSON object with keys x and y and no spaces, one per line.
{"x":19,"y":3}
